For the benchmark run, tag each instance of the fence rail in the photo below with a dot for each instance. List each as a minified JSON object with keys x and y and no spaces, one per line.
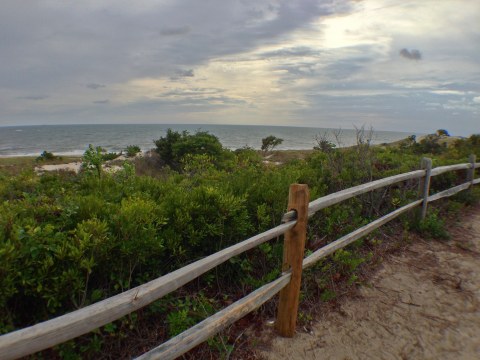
{"x":50,"y":333}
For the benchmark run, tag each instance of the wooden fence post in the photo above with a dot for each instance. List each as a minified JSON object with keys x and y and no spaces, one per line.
{"x":293,"y":250}
{"x":471,"y":172}
{"x":424,"y":188}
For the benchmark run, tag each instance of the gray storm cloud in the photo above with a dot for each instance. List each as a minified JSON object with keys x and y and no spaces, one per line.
{"x":411,"y":54}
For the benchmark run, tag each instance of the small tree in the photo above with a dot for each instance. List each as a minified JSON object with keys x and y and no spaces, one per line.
{"x":270,"y":142}
{"x":93,"y":159}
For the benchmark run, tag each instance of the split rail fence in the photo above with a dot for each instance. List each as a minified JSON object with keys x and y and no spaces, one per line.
{"x":53,"y":332}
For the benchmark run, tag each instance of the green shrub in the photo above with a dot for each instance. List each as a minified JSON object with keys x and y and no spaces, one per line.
{"x":174,"y":146}
{"x":132,"y":150}
{"x":433,"y":226}
{"x":46,"y":155}
{"x":110,"y":156}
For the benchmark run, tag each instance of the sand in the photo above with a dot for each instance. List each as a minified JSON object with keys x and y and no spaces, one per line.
{"x":74,"y":166}
{"x":422,"y":304}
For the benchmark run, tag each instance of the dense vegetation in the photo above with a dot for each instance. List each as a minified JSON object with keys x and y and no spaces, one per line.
{"x":69,"y":240}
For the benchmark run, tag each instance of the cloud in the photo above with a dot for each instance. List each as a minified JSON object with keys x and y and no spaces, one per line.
{"x":191,"y":91}
{"x":175,"y":31}
{"x":411,"y":54}
{"x":34,"y":97}
{"x":297,"y":51}
{"x":185,"y":73}
{"x":101,"y":102}
{"x":449,"y":92}
{"x":476,"y":99}
{"x":95,"y":86}
{"x":180,"y":74}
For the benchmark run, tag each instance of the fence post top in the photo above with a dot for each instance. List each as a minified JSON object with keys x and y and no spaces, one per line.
{"x":426,"y":161}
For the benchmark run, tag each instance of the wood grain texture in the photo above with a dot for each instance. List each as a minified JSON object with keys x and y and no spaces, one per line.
{"x":471,"y":171}
{"x":47,"y":334}
{"x":202,"y":331}
{"x":443,"y":169}
{"x":425,"y":185}
{"x":293,"y":250}
{"x":449,"y":192}
{"x":355,"y":235}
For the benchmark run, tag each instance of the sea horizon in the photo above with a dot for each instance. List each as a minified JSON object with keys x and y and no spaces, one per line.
{"x":73,"y":139}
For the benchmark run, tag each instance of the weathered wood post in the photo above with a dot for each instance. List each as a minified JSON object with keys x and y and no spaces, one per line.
{"x":293,"y":250}
{"x":424,"y":188}
{"x":471,"y":172}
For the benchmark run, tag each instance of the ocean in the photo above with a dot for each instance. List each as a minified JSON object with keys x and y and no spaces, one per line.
{"x":74,"y":139}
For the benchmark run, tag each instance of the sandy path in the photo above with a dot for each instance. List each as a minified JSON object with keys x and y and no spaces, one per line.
{"x":421,"y":304}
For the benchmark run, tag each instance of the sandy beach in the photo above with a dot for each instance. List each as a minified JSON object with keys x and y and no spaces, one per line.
{"x":423,"y":303}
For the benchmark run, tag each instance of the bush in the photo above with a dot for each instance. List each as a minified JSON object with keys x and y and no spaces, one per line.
{"x":46,"y":155}
{"x":174,"y":146}
{"x":433,"y":226}
{"x":430,"y":145}
{"x":110,"y":156}
{"x":132,"y":150}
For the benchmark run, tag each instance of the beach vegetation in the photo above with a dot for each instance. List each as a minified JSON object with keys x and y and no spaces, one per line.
{"x":270,"y":142}
{"x":132,"y":150}
{"x":69,"y":240}
{"x":93,"y":160}
{"x":174,"y":146}
{"x":108,"y":156}
{"x":324,"y":142}
{"x":46,"y":155}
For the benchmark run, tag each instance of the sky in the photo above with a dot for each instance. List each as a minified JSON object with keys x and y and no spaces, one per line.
{"x":395,"y":65}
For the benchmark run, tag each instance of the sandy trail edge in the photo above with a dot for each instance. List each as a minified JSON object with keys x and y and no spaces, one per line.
{"x":421,"y":304}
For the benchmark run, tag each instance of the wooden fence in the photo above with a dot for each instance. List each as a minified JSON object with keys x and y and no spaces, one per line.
{"x":53,"y":332}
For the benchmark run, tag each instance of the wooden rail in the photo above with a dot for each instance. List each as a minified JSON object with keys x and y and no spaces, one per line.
{"x":338,"y":197}
{"x":49,"y":333}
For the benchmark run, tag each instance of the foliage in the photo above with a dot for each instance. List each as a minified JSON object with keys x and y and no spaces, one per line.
{"x":109,"y":156}
{"x":187,"y":312}
{"x":92,"y":160}
{"x":442,"y":132}
{"x":430,"y":145}
{"x":433,"y":226}
{"x":270,"y":142}
{"x":324,"y":143}
{"x":132,"y":150}
{"x":174,"y":146}
{"x":46,"y":155}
